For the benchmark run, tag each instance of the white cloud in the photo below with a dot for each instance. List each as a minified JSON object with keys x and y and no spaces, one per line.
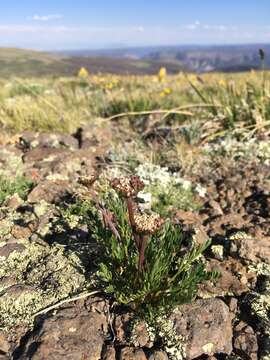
{"x":46,"y":17}
{"x":197,"y":25}
{"x":43,"y":35}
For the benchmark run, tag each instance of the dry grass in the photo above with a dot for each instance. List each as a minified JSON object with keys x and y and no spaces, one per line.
{"x":219,"y":102}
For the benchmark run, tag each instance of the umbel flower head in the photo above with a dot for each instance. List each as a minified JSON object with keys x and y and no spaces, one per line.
{"x":128,"y":186}
{"x":147,"y":224}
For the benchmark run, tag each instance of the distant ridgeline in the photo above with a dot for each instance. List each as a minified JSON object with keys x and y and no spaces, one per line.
{"x":138,"y":61}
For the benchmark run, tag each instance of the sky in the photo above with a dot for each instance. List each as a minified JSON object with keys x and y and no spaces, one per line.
{"x":98,"y":24}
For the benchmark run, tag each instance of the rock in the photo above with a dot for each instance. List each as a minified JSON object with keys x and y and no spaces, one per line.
{"x":129,"y":331}
{"x":4,"y":343}
{"x":121,"y":324}
{"x":140,"y":335}
{"x":132,"y":354}
{"x":42,"y":156}
{"x":30,"y":140}
{"x":192,"y":222}
{"x":245,"y":342}
{"x":233,"y":305}
{"x":233,"y":280}
{"x":7,"y":249}
{"x":216,"y":207}
{"x":89,"y":136}
{"x":22,"y":232}
{"x":252,"y":249}
{"x":72,"y":334}
{"x":61,"y":164}
{"x":13,"y":202}
{"x":158,"y":355}
{"x":50,"y":191}
{"x":206,"y":324}
{"x":109,"y":353}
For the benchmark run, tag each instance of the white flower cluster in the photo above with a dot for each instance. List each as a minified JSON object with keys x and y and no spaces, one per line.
{"x":156,"y":175}
{"x":250,"y":148}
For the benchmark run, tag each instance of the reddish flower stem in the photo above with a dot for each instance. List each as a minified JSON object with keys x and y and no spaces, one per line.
{"x":130,"y":207}
{"x":141,"y":252}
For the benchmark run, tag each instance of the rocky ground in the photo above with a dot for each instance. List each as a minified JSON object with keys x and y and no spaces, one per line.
{"x":45,"y":261}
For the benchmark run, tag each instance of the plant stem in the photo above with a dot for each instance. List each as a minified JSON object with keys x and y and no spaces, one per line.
{"x":108,"y":222}
{"x":130,"y":207}
{"x":141,"y":252}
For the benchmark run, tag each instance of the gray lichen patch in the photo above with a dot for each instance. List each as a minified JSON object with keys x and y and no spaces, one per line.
{"x":259,"y":302}
{"x":44,"y":275}
{"x":174,"y":343}
{"x":11,"y":163}
{"x":160,"y":328}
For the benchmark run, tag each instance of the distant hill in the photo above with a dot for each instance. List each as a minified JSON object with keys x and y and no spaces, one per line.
{"x":192,"y":57}
{"x":28,"y":63}
{"x":148,"y":60}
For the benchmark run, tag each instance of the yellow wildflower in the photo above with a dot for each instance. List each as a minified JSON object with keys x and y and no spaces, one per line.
{"x":109,"y":86}
{"x":162,"y":74}
{"x":83,"y":73}
{"x":222,"y":82}
{"x":166,"y":91}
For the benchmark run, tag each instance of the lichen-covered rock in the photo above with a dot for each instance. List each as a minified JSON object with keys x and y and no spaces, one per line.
{"x":30,"y":140}
{"x":50,"y":191}
{"x":129,"y":353}
{"x":129,"y":329}
{"x":121,"y":327}
{"x":158,"y":355}
{"x":35,"y":278}
{"x":245,"y":342}
{"x":89,"y":136}
{"x":11,"y":163}
{"x":4,"y":343}
{"x":234,"y":279}
{"x":206,"y":324}
{"x":13,"y":201}
{"x":72,"y":333}
{"x":253,"y":249}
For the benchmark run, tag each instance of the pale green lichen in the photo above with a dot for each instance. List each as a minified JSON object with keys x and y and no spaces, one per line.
{"x":13,"y":164}
{"x":260,"y":269}
{"x":174,"y":344}
{"x":7,"y":220}
{"x":218,"y":251}
{"x":260,"y":305}
{"x":45,"y":274}
{"x":160,"y":328}
{"x":41,"y":208}
{"x":239,"y":235}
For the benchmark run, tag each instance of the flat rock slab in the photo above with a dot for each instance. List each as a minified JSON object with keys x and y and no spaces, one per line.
{"x":72,"y":334}
{"x":206,"y":324}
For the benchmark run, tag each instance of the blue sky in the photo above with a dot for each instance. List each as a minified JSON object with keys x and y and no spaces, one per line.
{"x":76,"y":24}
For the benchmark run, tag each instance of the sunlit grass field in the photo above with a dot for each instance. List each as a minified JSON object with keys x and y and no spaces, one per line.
{"x":213,"y":103}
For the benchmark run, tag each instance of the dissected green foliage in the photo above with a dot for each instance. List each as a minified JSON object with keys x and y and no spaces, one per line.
{"x":174,"y":196}
{"x":20,"y":185}
{"x":173,"y":267}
